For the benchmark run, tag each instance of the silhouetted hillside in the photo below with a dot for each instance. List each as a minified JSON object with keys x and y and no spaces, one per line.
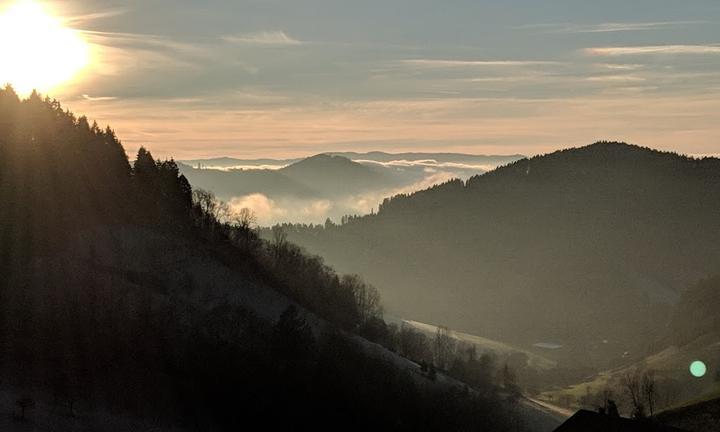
{"x":589,"y":421}
{"x":577,"y":247}
{"x":334,"y":175}
{"x":698,"y":417}
{"x":234,"y":183}
{"x":124,"y":291}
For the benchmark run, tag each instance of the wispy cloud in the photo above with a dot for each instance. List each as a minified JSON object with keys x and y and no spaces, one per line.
{"x":611,"y":27}
{"x":241,"y":167}
{"x":279,"y":38}
{"x":131,"y":56}
{"x":139,"y":40}
{"x":445,"y":63}
{"x":428,"y":163}
{"x":615,"y":78}
{"x":79,"y":20}
{"x":618,"y":66}
{"x":653,"y":49}
{"x":270,"y":211}
{"x":98,"y":98}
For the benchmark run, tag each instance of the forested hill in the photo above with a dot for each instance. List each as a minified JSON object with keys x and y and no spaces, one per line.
{"x":126,"y":294}
{"x":576,"y":247}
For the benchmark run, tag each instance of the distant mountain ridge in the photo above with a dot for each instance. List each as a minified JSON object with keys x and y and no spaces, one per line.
{"x":328,"y":185}
{"x":440,"y":157}
{"x":230,"y":163}
{"x":377,"y":156}
{"x":579,"y":246}
{"x":317,"y":176}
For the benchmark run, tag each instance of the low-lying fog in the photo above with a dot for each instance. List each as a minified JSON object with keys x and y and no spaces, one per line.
{"x":314,"y":189}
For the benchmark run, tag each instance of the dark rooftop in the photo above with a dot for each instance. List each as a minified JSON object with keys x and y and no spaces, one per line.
{"x":589,"y":421}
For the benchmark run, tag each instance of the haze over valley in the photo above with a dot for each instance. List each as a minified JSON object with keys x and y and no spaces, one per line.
{"x":329,"y":185}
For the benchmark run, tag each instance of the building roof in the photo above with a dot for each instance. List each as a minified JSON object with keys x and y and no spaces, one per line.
{"x":589,"y":421}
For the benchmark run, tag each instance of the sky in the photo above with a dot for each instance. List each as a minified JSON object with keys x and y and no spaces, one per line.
{"x":290,"y":78}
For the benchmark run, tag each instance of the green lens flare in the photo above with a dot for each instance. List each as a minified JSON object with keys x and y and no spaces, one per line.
{"x":698,"y":369}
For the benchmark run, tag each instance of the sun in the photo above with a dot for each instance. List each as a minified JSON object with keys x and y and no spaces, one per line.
{"x":36,"y":50}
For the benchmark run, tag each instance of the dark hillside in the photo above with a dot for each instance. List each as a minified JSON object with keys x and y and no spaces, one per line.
{"x":699,"y":417}
{"x":124,"y":291}
{"x":335,"y":175}
{"x":576,"y":247}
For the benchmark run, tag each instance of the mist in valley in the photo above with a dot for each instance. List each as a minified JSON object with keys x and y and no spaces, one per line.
{"x":315,"y":200}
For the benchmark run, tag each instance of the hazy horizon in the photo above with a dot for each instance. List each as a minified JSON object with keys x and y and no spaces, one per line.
{"x":305,"y":155}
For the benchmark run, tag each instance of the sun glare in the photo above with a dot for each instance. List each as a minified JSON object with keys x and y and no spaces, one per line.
{"x":36,"y":51}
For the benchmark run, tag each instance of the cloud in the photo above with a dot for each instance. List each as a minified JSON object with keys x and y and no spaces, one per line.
{"x":140,"y":40}
{"x":615,"y":78}
{"x":611,"y":27}
{"x":245,"y":167}
{"x":279,"y":38}
{"x":79,"y":20}
{"x":444,"y":63}
{"x":653,"y":49}
{"x":272,"y":211}
{"x":265,"y":208}
{"x":98,"y":98}
{"x":480,"y":85}
{"x":316,"y":208}
{"x":469,"y":125}
{"x":616,"y":66}
{"x":428,"y":163}
{"x":129,"y":56}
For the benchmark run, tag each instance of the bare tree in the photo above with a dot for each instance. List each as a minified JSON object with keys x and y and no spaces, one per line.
{"x":210,"y":206}
{"x":244,"y":218}
{"x":632,"y":382}
{"x":244,"y":223}
{"x":205,"y":200}
{"x":649,"y":390}
{"x":222,"y":212}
